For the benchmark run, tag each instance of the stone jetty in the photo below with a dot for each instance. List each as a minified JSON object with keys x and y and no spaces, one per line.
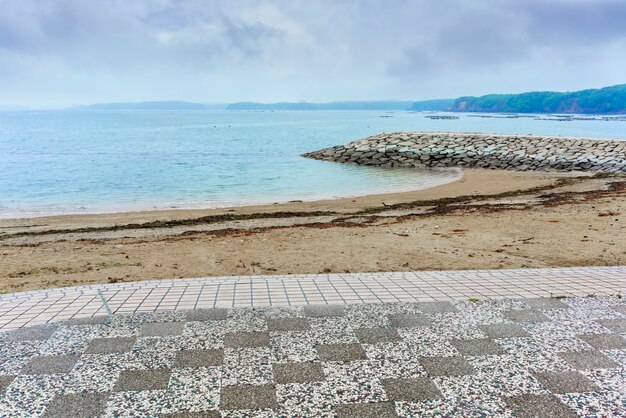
{"x":493,"y":151}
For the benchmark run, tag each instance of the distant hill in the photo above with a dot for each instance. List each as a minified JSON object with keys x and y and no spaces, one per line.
{"x":166,"y":105}
{"x":440,"y":105}
{"x":608,"y":100}
{"x":374,"y":105}
{"x":353,"y":105}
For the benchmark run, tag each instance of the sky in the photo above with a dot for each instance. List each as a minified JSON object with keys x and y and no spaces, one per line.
{"x":56,"y":53}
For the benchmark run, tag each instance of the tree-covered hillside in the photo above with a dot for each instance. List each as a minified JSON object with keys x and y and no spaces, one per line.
{"x":608,"y":100}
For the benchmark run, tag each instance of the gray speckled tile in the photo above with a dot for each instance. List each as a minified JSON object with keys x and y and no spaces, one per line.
{"x":332,"y":330}
{"x":148,"y":403}
{"x":457,"y":407}
{"x":247,"y":366}
{"x":292,"y":347}
{"x":604,"y":404}
{"x":28,"y":395}
{"x":619,"y":356}
{"x":608,"y":379}
{"x":314,"y":399}
{"x":15,"y":354}
{"x":427,"y":341}
{"x":389,"y":360}
{"x":195,"y":390}
{"x":246,"y":320}
{"x":536,"y":357}
{"x":353,"y":382}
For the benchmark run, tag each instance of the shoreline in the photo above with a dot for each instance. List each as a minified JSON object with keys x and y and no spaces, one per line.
{"x":478,"y":181}
{"x":200,"y":207}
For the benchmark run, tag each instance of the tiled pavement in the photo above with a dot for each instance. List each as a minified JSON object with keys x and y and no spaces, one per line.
{"x":42,"y":307}
{"x":550,"y":357}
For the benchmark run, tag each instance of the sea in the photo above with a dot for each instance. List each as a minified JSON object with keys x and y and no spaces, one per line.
{"x":70,"y":162}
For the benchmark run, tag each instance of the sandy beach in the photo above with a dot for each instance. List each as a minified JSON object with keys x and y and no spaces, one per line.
{"x":488,"y":219}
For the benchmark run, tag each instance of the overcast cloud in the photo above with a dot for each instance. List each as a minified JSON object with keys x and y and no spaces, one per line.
{"x":62,"y":52}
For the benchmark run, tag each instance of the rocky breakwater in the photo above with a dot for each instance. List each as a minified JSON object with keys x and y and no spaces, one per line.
{"x":494,"y":151}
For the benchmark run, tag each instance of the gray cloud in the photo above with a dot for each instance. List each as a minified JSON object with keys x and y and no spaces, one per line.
{"x":59,"y":52}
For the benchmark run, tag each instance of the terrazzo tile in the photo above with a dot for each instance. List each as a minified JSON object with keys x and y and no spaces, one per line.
{"x":546,"y":303}
{"x":566,"y":327}
{"x":454,"y":408}
{"x":77,"y":405}
{"x":71,"y":339}
{"x":446,"y":366}
{"x":246,"y":320}
{"x":374,"y":315}
{"x":619,"y":309}
{"x":489,"y":385}
{"x":411,"y":390}
{"x":353,"y":382}
{"x":216,"y":314}
{"x":89,"y":320}
{"x":28,"y":395}
{"x":477,"y":347}
{"x":199,"y":358}
{"x":604,"y":341}
{"x":246,"y":339}
{"x":313,"y":399}
{"x":547,"y":344}
{"x":202,"y":335}
{"x":248,"y":397}
{"x":162,"y":329}
{"x":408,"y":320}
{"x":41,"y":333}
{"x":566,"y":382}
{"x":340,"y":352}
{"x":15,"y":354}
{"x":584,"y":360}
{"x":503,"y":330}
{"x":332,"y":330}
{"x":140,"y":318}
{"x":366,"y":410}
{"x":247,"y":366}
{"x":250,"y":413}
{"x":436,"y":307}
{"x":536,"y":406}
{"x":605,"y":404}
{"x":110,"y":345}
{"x":377,"y":335}
{"x":609,"y":379}
{"x":582,"y":313}
{"x":204,"y":414}
{"x":5,"y":381}
{"x":321,"y":311}
{"x":49,"y":364}
{"x":140,"y":380}
{"x":428,"y":342}
{"x":143,"y":404}
{"x":461,"y":350}
{"x":288,"y":324}
{"x":195,"y":390}
{"x":294,"y":347}
{"x":298,"y":372}
{"x":278,"y":312}
{"x":391,"y":360}
{"x":470,"y":315}
{"x":619,"y":356}
{"x":616,"y":325}
{"x":525,"y":316}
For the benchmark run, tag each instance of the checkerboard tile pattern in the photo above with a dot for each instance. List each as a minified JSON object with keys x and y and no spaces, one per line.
{"x":35,"y":308}
{"x":501,"y":358}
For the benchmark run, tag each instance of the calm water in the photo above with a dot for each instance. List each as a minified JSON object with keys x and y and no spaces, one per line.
{"x":54,"y":162}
